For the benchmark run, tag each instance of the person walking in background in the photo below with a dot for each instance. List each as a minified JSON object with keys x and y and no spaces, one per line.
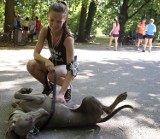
{"x":38,"y":26}
{"x":26,"y":23}
{"x":141,"y":31}
{"x":150,"y":30}
{"x":17,"y":22}
{"x":17,"y":29}
{"x":114,"y":33}
{"x":32,"y":30}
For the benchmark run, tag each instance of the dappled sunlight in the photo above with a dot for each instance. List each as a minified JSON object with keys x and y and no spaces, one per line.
{"x":138,"y":129}
{"x":91,"y":65}
{"x":132,"y":128}
{"x":117,"y":69}
{"x":15,"y":82}
{"x":13,"y":67}
{"x":8,"y":85}
{"x":112,"y":55}
{"x":125,"y":74}
{"x":144,"y":119}
{"x":107,"y":62}
{"x":9,"y":74}
{"x":138,"y":67}
{"x":79,"y":77}
{"x":154,"y":95}
{"x":109,"y":99}
{"x":11,"y":55}
{"x":85,"y":74}
{"x":112,"y":83}
{"x":158,"y":83}
{"x":142,"y":79}
{"x":103,"y":74}
{"x":101,"y":88}
{"x":157,"y":96}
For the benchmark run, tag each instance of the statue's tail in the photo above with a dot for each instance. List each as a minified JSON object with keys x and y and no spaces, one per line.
{"x":114,"y":112}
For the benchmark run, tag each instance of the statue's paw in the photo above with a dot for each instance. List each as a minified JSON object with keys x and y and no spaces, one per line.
{"x":122,"y":96}
{"x":25,"y":90}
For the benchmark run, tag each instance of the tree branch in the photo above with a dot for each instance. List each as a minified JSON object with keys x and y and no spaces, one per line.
{"x":131,"y":3}
{"x":147,"y":1}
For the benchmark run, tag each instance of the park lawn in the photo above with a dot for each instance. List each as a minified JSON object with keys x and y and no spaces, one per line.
{"x":99,"y":41}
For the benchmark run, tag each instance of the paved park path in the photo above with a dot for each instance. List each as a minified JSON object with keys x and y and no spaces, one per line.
{"x":104,"y":74}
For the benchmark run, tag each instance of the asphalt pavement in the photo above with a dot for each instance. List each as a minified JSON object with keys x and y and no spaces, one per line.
{"x":104,"y":73}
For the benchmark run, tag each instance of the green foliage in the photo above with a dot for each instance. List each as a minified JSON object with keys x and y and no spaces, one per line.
{"x":1,"y":15}
{"x":32,"y":8}
{"x":74,"y":8}
{"x":74,"y":21}
{"x":106,"y":11}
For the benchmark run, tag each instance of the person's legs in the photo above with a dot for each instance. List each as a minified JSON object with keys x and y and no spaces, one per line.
{"x":150,"y":44}
{"x":25,"y":35}
{"x":138,"y":43}
{"x":37,"y":33}
{"x":31,"y":34}
{"x":140,"y":38}
{"x":116,"y":42}
{"x":145,"y":44}
{"x":60,"y":74}
{"x":110,"y":41}
{"x":37,"y":70}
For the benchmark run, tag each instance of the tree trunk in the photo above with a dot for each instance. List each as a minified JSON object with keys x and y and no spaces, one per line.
{"x":9,"y":15}
{"x":91,"y":14}
{"x":123,"y":18}
{"x":81,"y":30}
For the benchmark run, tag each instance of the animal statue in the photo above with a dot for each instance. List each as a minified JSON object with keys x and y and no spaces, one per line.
{"x":35,"y":111}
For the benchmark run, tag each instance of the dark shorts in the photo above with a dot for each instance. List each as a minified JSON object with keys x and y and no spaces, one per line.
{"x":57,"y":63}
{"x":115,"y":35}
{"x":26,"y":28}
{"x":37,"y":32}
{"x":140,"y":36}
{"x":149,"y":36}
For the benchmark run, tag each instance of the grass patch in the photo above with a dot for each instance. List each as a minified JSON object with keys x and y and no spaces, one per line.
{"x":99,"y":41}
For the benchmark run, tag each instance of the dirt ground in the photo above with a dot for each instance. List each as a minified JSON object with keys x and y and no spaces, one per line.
{"x":104,"y":74}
